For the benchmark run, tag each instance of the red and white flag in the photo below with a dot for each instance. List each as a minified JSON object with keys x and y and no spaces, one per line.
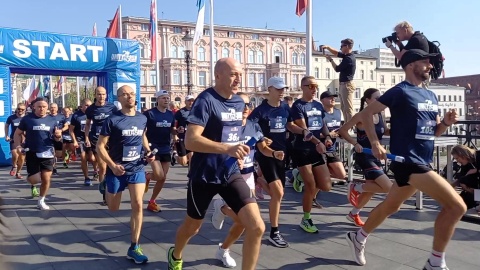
{"x":301,"y":7}
{"x":153,"y":31}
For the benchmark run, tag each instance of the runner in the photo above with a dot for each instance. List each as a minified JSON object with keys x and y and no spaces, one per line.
{"x":77,"y":133}
{"x":17,"y":158}
{"x":40,"y":131}
{"x":124,"y":134}
{"x":274,"y":118}
{"x":68,"y":150}
{"x":214,"y":125}
{"x":159,"y":133}
{"x":377,"y":181}
{"x":249,"y":129}
{"x":62,"y":124}
{"x":182,"y":155}
{"x":96,"y":115}
{"x":414,"y":125}
{"x":309,"y":151}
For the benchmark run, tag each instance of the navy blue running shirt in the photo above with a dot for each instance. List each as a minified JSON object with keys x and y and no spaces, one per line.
{"x":222,"y":120}
{"x":362,"y":138}
{"x":68,"y":121}
{"x":125,"y":144}
{"x":248,"y":131}
{"x":181,"y":118}
{"x":98,"y":114}
{"x":13,"y":120}
{"x":312,"y":113}
{"x":159,"y":127}
{"x":273,"y":122}
{"x":333,"y":121}
{"x":79,"y":120}
{"x":39,"y":134}
{"x":60,"y":119}
{"x":413,"y":121}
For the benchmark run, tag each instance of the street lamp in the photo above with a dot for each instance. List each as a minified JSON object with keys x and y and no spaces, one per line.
{"x":85,"y":79}
{"x":188,"y":41}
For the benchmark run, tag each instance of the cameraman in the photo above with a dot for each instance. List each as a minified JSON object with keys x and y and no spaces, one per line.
{"x":404,"y":31}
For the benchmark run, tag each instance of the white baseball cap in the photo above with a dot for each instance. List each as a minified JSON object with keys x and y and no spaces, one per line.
{"x":276,"y":82}
{"x":162,"y":93}
{"x":189,"y":97}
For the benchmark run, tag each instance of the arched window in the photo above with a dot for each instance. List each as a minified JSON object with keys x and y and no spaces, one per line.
{"x":237,"y":54}
{"x":259,"y":57}
{"x":181,"y":52}
{"x":173,"y":51}
{"x":225,"y":53}
{"x":294,"y":59}
{"x":251,"y":56}
{"x":142,"y":51}
{"x":302,"y":59}
{"x":215,"y":55}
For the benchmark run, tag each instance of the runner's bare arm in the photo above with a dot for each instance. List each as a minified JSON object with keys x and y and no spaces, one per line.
{"x":343,"y":131}
{"x":71,"y":129}
{"x":88,"y":125}
{"x":366,"y":117}
{"x":17,"y":137}
{"x":6,"y":131}
{"x":102,"y":150}
{"x":146,"y":146}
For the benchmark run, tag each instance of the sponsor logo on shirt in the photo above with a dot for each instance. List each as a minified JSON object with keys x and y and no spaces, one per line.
{"x":164,"y":123}
{"x":42,"y":127}
{"x":231,"y":115}
{"x":101,"y":116}
{"x":135,"y":131}
{"x":427,"y":106}
{"x":313,"y":112}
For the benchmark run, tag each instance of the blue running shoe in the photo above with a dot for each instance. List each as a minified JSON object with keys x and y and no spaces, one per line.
{"x":102,"y":186}
{"x":88,"y":182}
{"x":136,"y":254}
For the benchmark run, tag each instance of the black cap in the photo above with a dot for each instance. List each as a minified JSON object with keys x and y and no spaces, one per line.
{"x":414,"y":55}
{"x":327,"y":94}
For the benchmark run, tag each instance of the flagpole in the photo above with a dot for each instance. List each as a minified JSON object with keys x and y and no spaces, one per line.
{"x":78,"y":91}
{"x":212,"y":45}
{"x":309,"y":38}
{"x":120,"y":20}
{"x":51,"y":96}
{"x":63,"y":94}
{"x":157,"y":66}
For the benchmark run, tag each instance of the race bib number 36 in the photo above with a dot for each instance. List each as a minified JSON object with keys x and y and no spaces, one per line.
{"x":231,"y":134}
{"x":425,"y":129}
{"x":131,"y":153}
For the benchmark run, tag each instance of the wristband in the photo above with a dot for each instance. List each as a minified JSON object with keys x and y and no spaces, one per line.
{"x":443,"y":122}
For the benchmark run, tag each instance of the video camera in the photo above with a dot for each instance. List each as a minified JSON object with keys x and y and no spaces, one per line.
{"x":393,"y":38}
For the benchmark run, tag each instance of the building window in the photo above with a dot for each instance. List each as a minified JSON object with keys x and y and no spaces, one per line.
{"x":142,"y":77}
{"x":225,"y":53}
{"x":215,"y":55}
{"x":317,"y":73}
{"x":449,"y":98}
{"x":336,"y":90}
{"x":327,"y":73}
{"x":382,"y":79}
{"x":142,"y":51}
{"x":201,"y":54}
{"x":302,"y":59}
{"x":393,"y":79}
{"x":206,"y":32}
{"x":251,"y":79}
{"x":362,"y":74}
{"x":459,"y":98}
{"x":259,"y":57}
{"x":278,"y":57}
{"x":177,"y":30}
{"x":298,"y":40}
{"x":153,"y":77}
{"x":260,"y":79}
{"x":401,"y":79}
{"x":460,"y":111}
{"x":358,"y":93}
{"x":444,"y":98}
{"x":454,"y":98}
{"x":176,"y":77}
{"x":181,"y":52}
{"x":153,"y":102}
{"x":439,"y":98}
{"x":237,"y":54}
{"x":231,"y":34}
{"x":255,"y":36}
{"x":145,"y":27}
{"x":371,"y":75}
{"x":173,"y":52}
{"x":294,"y":59}
{"x":295,"y":80}
{"x":251,"y":56}
{"x":143,"y":102}
{"x":202,"y":78}
{"x":282,"y":75}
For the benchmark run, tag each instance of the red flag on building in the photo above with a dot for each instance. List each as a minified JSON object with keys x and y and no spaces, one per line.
{"x":153,"y":31}
{"x":114,"y":28}
{"x":301,"y":7}
{"x":94,"y":32}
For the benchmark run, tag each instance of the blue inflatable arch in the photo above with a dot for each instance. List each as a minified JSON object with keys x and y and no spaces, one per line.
{"x":115,"y":62}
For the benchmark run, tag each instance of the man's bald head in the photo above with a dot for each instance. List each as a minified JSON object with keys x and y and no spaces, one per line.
{"x":124,"y":89}
{"x":100,"y":88}
{"x":228,"y":74}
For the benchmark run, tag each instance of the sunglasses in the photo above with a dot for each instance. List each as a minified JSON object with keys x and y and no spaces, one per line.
{"x":311,"y":86}
{"x":248,"y":105}
{"x":20,"y":110}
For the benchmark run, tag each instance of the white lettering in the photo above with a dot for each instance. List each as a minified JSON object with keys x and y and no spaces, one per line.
{"x":78,"y":50}
{"x":132,"y":132}
{"x":22,"y":50}
{"x":41,"y":47}
{"x":59,"y":51}
{"x":95,"y":50}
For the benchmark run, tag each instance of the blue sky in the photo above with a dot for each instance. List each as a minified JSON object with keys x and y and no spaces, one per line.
{"x":453,"y":23}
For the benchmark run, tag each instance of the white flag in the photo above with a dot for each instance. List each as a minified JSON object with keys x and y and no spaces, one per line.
{"x":200,"y":21}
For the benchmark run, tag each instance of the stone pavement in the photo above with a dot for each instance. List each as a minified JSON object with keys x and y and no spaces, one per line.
{"x":79,"y":233}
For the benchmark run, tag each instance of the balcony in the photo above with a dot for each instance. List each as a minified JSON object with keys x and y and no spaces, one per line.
{"x":255,"y":66}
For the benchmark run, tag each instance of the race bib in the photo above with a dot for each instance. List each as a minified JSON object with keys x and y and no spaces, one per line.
{"x":315,"y":122}
{"x":131,"y":153}
{"x":46,"y":154}
{"x":426,"y":129}
{"x":67,"y":137}
{"x":333,"y":125}
{"x":277,"y":125}
{"x":248,"y":160}
{"x":231,"y":134}
{"x":82,"y":125}
{"x":97,"y":130}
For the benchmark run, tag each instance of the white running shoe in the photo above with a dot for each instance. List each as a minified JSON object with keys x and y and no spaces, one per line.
{"x":224,"y":256}
{"x":42,"y":205}
{"x":358,"y":249}
{"x":218,"y":217}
